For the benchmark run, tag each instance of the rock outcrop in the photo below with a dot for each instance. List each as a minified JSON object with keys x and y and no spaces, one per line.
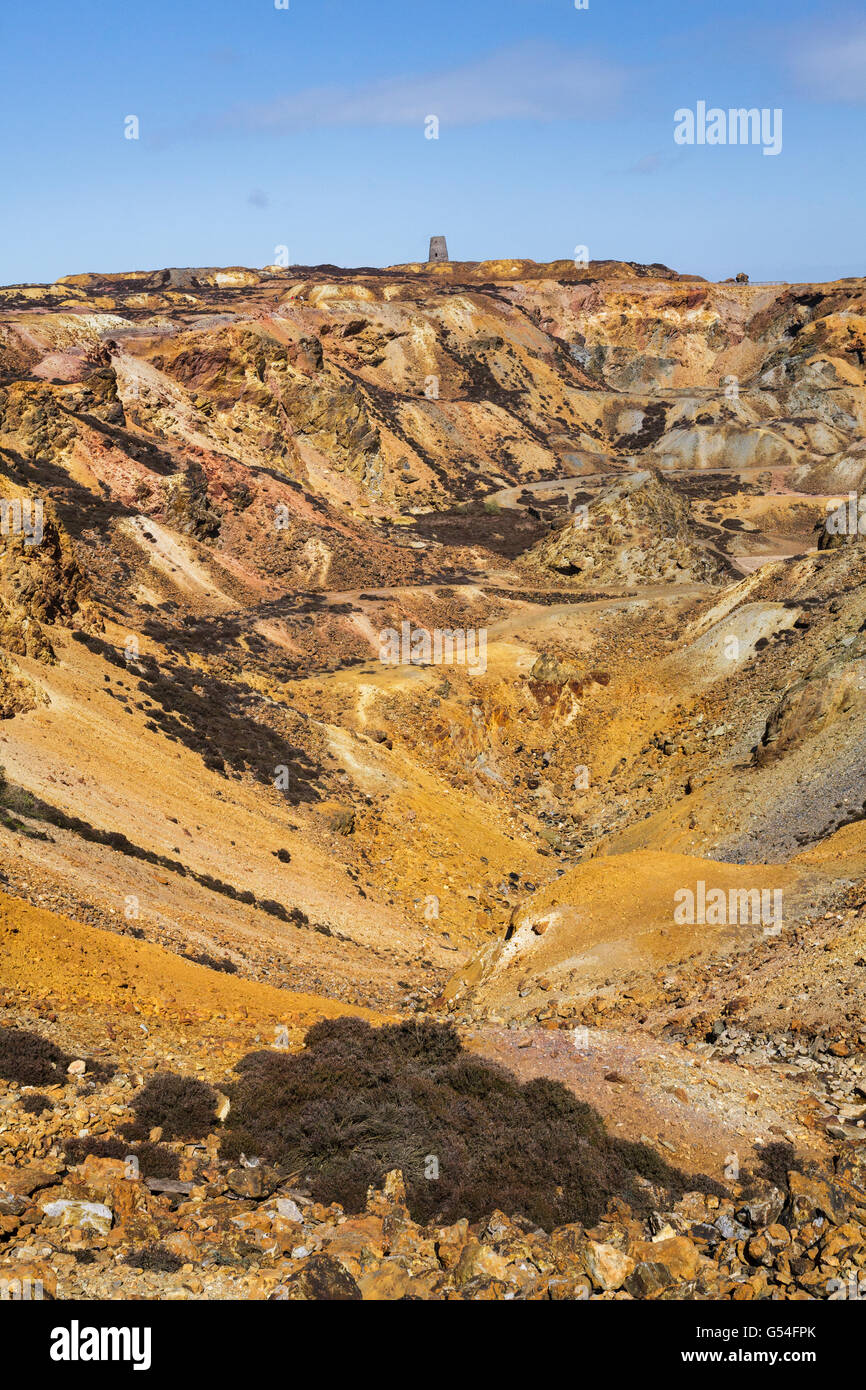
{"x":635,"y":532}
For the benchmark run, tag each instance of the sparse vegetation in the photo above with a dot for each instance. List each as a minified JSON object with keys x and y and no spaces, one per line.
{"x":35,"y":1103}
{"x":156,"y":1258}
{"x":468,"y":1135}
{"x":154,"y":1161}
{"x":32,"y":1060}
{"x":181,"y":1106}
{"x":222,"y":963}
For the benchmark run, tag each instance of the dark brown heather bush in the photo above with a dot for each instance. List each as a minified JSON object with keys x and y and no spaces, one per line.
{"x":32,"y":1060}
{"x":154,"y":1257}
{"x":223,"y":964}
{"x":181,"y":1106}
{"x":35,"y":1104}
{"x":359,"y":1101}
{"x":154,"y":1161}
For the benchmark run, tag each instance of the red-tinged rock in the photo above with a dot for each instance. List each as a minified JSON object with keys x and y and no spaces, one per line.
{"x":21,"y":1182}
{"x":387,"y":1282}
{"x":569,"y":1287}
{"x":97,"y":1177}
{"x":450,"y":1242}
{"x":813,"y":1196}
{"x":391,"y":1198}
{"x":607,"y":1267}
{"x":426,"y":1285}
{"x":679,"y":1256}
{"x":355,"y":1233}
{"x":182,"y":1245}
{"x":482,"y":1290}
{"x":477,"y":1260}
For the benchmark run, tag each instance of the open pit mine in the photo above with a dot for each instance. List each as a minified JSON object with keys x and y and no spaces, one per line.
{"x":432,"y":840}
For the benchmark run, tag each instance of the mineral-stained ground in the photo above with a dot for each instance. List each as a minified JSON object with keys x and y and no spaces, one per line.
{"x":604,"y":879}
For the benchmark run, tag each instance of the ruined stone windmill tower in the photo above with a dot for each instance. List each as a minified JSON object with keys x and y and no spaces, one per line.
{"x":438,"y":249}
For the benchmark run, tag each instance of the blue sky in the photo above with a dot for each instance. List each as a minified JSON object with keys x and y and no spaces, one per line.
{"x":304,"y":127}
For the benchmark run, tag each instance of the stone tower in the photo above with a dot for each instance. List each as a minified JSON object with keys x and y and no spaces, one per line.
{"x":438,"y":249}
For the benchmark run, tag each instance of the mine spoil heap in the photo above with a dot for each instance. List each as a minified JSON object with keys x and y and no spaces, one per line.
{"x":606,"y":831}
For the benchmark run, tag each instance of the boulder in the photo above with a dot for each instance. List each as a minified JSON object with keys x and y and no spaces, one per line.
{"x":450,"y":1242}
{"x":321,"y":1278}
{"x":21,"y":1182}
{"x":388,"y":1282}
{"x":477,"y":1260}
{"x":607,"y":1267}
{"x":648,"y":1278}
{"x":763,"y":1210}
{"x":677,"y":1254}
{"x":813,"y":1196}
{"x":87,"y":1216}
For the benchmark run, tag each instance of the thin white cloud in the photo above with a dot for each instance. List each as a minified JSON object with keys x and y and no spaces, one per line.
{"x":833,"y":68}
{"x":530,"y":82}
{"x":648,"y":164}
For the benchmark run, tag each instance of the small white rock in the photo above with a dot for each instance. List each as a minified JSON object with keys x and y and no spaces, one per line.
{"x":93,"y":1215}
{"x":289,"y":1210}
